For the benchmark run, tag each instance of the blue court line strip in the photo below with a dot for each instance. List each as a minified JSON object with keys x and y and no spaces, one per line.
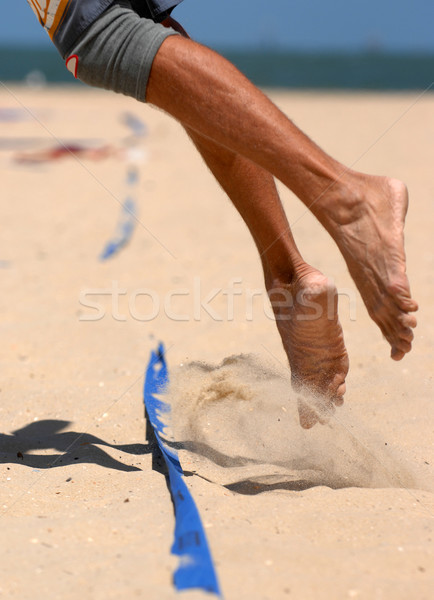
{"x":124,"y":230}
{"x":128,"y":216}
{"x":196,"y":568}
{"x":127,"y":221}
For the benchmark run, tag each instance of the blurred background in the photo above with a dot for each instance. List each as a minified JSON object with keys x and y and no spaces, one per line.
{"x":343,"y":44}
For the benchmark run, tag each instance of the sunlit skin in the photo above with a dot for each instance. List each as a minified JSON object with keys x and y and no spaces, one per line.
{"x":246,"y":141}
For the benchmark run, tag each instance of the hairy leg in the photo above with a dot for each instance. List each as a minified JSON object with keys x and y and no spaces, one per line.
{"x":365,"y":215}
{"x":303,"y":299}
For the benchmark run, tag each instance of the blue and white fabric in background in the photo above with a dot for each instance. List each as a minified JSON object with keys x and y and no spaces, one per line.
{"x":135,"y":156}
{"x":127,"y":220}
{"x":196,"y":568}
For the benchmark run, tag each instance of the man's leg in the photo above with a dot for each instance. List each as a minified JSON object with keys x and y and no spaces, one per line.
{"x":304,"y":301}
{"x":365,"y":215}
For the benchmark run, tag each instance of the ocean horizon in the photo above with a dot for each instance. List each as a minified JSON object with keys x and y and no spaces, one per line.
{"x":273,"y":68}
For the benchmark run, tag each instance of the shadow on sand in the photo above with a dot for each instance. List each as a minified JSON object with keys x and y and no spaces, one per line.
{"x":22,"y":446}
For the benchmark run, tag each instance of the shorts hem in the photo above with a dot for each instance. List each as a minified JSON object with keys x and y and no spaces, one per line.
{"x":116,"y":52}
{"x":147,"y":62}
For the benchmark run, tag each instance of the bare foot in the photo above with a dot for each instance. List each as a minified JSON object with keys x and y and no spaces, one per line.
{"x":369,"y":231}
{"x":307,"y":320}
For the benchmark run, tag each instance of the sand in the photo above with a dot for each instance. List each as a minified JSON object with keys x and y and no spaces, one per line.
{"x":344,"y":510}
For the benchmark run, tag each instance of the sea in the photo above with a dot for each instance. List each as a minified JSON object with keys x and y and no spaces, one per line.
{"x":272,"y":68}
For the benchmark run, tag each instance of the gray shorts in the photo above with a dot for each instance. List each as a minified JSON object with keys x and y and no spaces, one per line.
{"x":117,"y":51}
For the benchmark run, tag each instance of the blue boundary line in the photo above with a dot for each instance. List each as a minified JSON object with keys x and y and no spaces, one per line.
{"x":196,"y":568}
{"x":127,"y":220}
{"x":124,"y":230}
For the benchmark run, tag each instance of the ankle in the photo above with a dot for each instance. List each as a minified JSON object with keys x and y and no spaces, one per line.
{"x":342,"y":203}
{"x":287,"y":278}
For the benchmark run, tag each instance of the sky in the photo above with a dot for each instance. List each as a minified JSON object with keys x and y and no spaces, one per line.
{"x":344,"y":25}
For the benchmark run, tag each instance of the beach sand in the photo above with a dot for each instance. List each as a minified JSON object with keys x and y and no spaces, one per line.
{"x":344,"y":510}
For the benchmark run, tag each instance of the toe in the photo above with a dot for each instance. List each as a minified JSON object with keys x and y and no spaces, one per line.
{"x":407,"y":321}
{"x":400,"y":291}
{"x":403,"y":346}
{"x":399,"y":333}
{"x":340,"y":390}
{"x":308,"y":417}
{"x":337,"y":388}
{"x":407,"y":334}
{"x":314,"y":410}
{"x":411,"y":305}
{"x":397,"y":354}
